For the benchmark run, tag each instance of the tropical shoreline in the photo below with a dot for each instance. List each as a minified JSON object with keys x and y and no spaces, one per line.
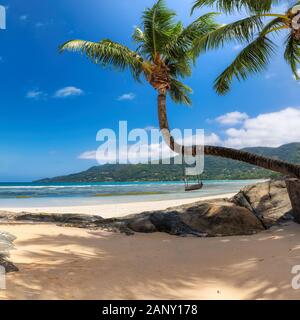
{"x":125,"y":196}
{"x":60,"y":261}
{"x":115,"y":210}
{"x":110,"y":200}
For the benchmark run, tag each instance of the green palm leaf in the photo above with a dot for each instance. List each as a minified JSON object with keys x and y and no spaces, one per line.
{"x":292,"y":54}
{"x":256,"y":55}
{"x":158,"y":23}
{"x":164,"y":45}
{"x":275,"y":25}
{"x":184,"y":41}
{"x":251,"y":59}
{"x":240,"y":31}
{"x":106,"y":53}
{"x":180,"y":92}
{"x":229,"y":6}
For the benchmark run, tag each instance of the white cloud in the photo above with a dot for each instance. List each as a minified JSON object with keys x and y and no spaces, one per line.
{"x":232,"y":118}
{"x":189,"y":140}
{"x":269,"y":129}
{"x":39,"y":24}
{"x":269,"y":76}
{"x":126,"y":96}
{"x":35,"y":94}
{"x":61,"y":93}
{"x":88,"y":155}
{"x":132,"y":154}
{"x":68,"y":92}
{"x":237,"y":47}
{"x":212,"y":139}
{"x":142,"y":153}
{"x":23,"y":17}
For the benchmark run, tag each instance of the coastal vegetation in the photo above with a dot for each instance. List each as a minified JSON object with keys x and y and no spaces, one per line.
{"x":215,"y":169}
{"x":256,"y":33}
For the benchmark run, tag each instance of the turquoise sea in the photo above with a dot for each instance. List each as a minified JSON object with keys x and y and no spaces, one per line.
{"x":70,"y":194}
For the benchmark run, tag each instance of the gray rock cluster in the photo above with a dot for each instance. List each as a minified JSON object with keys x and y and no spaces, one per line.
{"x":253,"y":209}
{"x":268,"y":201}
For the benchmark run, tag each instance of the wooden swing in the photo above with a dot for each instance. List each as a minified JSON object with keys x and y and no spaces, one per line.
{"x":192,"y":187}
{"x":189,"y":186}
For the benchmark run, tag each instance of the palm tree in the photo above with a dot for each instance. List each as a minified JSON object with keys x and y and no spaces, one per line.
{"x":164,"y":55}
{"x":255,"y":31}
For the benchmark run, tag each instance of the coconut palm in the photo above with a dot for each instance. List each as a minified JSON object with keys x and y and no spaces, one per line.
{"x":163,"y":56}
{"x":256,"y":33}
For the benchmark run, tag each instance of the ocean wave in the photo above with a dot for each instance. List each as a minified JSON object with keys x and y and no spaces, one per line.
{"x":55,"y":187}
{"x":91,"y":190}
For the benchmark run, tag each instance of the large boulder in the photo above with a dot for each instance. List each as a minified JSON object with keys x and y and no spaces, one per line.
{"x":212,"y":218}
{"x":269,"y":201}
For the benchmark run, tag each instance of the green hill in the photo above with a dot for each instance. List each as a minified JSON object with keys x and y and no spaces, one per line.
{"x":215,"y":168}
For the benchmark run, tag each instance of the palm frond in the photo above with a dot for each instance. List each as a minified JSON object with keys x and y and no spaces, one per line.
{"x":183,"y":42}
{"x":251,"y":59}
{"x":138,"y":35}
{"x":180,"y":68}
{"x":274,"y":25}
{"x":229,"y":6}
{"x":158,"y":23}
{"x":107,"y":52}
{"x":240,"y":31}
{"x":179,"y":92}
{"x":292,"y":54}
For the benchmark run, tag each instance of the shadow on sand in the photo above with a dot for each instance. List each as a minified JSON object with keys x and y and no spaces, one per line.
{"x":82,"y":264}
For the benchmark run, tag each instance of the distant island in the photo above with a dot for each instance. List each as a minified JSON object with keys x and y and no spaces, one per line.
{"x":215,"y":169}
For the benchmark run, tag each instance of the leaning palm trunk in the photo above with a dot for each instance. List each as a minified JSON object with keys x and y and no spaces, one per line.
{"x":165,"y":54}
{"x":285,"y":168}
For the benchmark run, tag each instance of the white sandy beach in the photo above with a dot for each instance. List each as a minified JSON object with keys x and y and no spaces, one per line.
{"x":114,"y":210}
{"x":72,"y":263}
{"x":68,"y":263}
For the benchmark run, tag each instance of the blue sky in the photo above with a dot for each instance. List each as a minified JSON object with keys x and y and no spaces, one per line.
{"x":52,"y":105}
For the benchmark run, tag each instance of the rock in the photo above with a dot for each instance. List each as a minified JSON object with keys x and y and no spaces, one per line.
{"x":171,"y":222}
{"x":252,"y":210}
{"x":241,"y":200}
{"x":293,"y":187}
{"x":221,"y":218}
{"x":269,"y":201}
{"x":8,"y":266}
{"x":141,"y":224}
{"x":214,"y":218}
{"x":6,"y":244}
{"x":59,"y":218}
